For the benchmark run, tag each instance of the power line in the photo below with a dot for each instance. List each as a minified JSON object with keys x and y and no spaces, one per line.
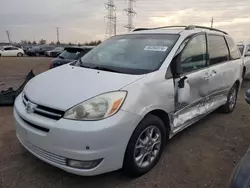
{"x":131,"y":13}
{"x":8,"y":36}
{"x":111,"y":23}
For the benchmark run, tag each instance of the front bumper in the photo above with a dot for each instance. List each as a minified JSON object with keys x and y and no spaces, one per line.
{"x":67,"y":139}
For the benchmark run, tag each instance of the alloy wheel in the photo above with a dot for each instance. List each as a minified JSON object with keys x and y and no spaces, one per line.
{"x":147,"y":147}
{"x":232,"y":98}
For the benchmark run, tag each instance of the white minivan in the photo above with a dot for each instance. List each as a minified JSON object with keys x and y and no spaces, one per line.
{"x":117,"y":106}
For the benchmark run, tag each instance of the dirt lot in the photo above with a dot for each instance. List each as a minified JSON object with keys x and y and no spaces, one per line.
{"x":203,"y":155}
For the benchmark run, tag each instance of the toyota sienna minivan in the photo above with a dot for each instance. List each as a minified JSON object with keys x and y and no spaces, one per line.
{"x":117,"y":106}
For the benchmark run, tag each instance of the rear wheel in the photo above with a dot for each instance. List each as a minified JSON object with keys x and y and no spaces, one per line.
{"x":0,"y":55}
{"x":231,"y":100}
{"x":145,"y":146}
{"x":37,"y":54}
{"x":19,"y":54}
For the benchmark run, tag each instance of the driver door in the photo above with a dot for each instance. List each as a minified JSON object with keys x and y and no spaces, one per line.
{"x":193,"y":80}
{"x":7,"y":51}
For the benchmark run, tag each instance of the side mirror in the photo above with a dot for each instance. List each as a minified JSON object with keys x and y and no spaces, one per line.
{"x":183,"y":90}
{"x":247,"y":54}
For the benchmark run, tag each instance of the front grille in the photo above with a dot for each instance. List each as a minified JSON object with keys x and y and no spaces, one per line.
{"x":36,"y":126}
{"x":45,"y":111}
{"x":45,"y":154}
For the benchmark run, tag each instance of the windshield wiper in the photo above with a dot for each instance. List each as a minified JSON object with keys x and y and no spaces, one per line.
{"x":105,"y":69}
{"x":96,"y":67}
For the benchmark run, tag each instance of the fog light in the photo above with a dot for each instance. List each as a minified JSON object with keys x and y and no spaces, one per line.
{"x":83,"y":164}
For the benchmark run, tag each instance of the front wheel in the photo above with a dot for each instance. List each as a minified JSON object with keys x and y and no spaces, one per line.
{"x":19,"y":55}
{"x":231,"y":100}
{"x":145,"y":146}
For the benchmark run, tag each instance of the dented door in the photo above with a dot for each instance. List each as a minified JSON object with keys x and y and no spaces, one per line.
{"x":193,"y":65}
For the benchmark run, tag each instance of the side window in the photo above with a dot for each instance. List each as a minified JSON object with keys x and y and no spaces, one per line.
{"x":193,"y":57}
{"x":233,"y":49}
{"x":13,"y":48}
{"x":248,"y":48}
{"x":7,"y":49}
{"x":217,"y":48}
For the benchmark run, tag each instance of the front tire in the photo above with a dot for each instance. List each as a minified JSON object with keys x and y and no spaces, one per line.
{"x":145,"y":146}
{"x":19,"y":55}
{"x":231,"y":100}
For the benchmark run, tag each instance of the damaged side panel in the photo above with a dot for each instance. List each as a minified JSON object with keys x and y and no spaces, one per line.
{"x":191,"y":114}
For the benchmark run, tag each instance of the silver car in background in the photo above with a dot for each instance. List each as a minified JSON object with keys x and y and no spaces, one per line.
{"x":244,"y":48}
{"x":117,"y":106}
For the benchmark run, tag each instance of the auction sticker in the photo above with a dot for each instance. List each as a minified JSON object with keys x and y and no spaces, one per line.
{"x":156,"y":48}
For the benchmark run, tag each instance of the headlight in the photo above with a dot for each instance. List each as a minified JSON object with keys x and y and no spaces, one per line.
{"x":97,"y":108}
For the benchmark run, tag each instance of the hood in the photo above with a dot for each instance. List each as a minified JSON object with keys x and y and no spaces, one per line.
{"x":66,"y":86}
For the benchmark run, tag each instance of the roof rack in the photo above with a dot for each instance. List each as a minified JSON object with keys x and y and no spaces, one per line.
{"x":190,"y":27}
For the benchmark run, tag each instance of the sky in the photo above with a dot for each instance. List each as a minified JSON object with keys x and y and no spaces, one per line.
{"x":84,"y":20}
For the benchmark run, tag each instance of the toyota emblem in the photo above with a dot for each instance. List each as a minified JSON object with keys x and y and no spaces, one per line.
{"x":29,"y":108}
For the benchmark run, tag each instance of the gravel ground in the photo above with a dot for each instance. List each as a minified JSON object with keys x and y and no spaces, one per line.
{"x":203,"y":155}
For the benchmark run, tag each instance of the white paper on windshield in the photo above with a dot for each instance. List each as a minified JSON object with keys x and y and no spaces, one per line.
{"x":156,"y":48}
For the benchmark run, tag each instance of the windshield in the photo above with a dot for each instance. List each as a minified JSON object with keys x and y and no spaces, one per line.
{"x":35,"y":48}
{"x":241,"y":48}
{"x":58,"y":49}
{"x":131,"y":54}
{"x":70,"y":53}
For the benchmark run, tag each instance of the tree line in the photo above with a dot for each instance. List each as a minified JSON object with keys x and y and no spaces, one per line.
{"x":42,"y":42}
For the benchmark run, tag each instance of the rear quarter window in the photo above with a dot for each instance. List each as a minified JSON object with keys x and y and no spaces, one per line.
{"x":218,"y":50}
{"x":233,"y":49}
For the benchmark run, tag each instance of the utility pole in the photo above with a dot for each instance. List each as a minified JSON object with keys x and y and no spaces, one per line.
{"x":212,"y":22}
{"x":57,"y":34}
{"x":111,"y":23}
{"x":131,"y":13}
{"x":8,"y":35}
{"x":115,"y":24}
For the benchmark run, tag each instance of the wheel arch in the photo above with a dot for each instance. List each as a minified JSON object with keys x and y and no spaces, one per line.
{"x":164,"y":117}
{"x":238,"y":84}
{"x":244,"y":72}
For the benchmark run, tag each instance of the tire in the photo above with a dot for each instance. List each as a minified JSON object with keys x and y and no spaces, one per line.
{"x":37,"y":54}
{"x":19,"y":55}
{"x":0,"y":55}
{"x":231,"y":100}
{"x":132,"y":168}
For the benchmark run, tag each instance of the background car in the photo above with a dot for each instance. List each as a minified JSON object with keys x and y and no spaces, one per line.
{"x":45,"y":48}
{"x":244,"y":48}
{"x":33,"y":51}
{"x":55,"y":52}
{"x":241,"y":175}
{"x":39,"y":50}
{"x":11,"y":51}
{"x":70,"y":54}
